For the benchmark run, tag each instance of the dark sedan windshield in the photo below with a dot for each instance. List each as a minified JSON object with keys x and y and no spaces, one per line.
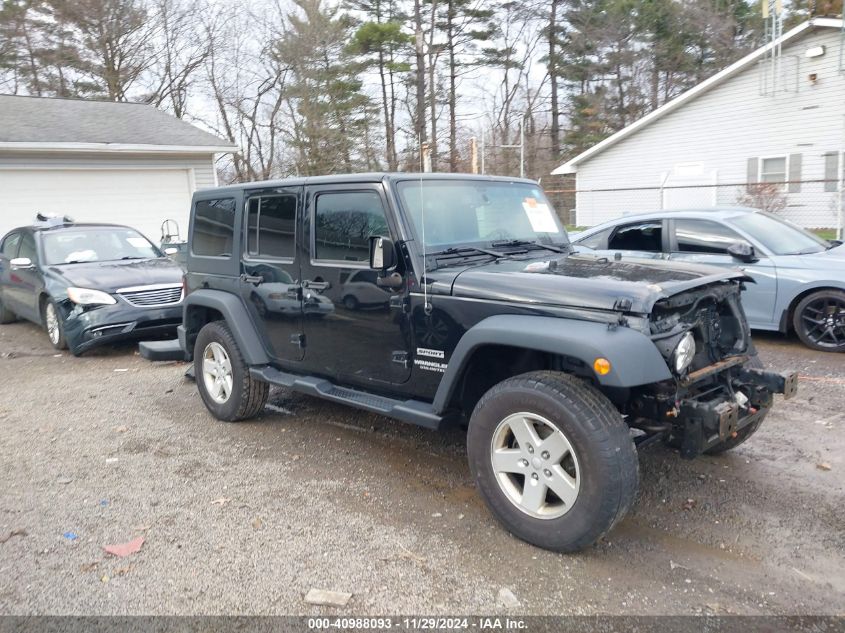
{"x":780,"y":237}
{"x":96,"y":244}
{"x":478,"y":212}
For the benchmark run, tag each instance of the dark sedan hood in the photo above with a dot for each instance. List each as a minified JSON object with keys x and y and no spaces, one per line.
{"x":585,"y":281}
{"x":109,"y":276}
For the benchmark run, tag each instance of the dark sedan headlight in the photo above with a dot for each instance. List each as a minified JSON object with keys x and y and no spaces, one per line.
{"x":684,"y":353}
{"x":89,"y":297}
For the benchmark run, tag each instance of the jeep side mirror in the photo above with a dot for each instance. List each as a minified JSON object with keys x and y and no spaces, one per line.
{"x":21,"y":263}
{"x":743,"y":251}
{"x":382,"y":253}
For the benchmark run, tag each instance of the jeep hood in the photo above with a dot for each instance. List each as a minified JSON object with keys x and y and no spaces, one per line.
{"x":586,"y":281}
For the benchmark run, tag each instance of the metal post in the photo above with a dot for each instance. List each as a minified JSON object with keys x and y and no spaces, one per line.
{"x":841,"y":196}
{"x":522,"y":147}
{"x":482,"y":151}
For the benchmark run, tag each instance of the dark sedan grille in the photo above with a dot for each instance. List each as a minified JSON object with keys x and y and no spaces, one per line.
{"x":149,"y":296}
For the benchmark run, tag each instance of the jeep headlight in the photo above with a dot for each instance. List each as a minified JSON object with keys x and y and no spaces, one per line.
{"x":89,"y":297}
{"x":684,"y":353}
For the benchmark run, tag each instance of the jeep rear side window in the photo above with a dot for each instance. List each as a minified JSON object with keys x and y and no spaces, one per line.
{"x":642,"y":236}
{"x":214,"y":228}
{"x":343,"y":224}
{"x":271,"y":226}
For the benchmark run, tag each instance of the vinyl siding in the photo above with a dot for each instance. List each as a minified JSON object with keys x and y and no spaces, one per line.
{"x":724,"y":128}
{"x":203,"y":166}
{"x":131,"y":189}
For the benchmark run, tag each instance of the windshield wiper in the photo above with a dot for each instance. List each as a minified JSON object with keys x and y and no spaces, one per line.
{"x":133,"y":257}
{"x":464,"y":251}
{"x":549,"y":247}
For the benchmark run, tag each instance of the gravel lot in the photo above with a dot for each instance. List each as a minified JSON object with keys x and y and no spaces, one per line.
{"x":246,"y":518}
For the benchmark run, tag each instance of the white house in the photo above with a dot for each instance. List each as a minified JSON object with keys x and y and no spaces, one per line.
{"x":777,"y":115}
{"x":100,"y":161}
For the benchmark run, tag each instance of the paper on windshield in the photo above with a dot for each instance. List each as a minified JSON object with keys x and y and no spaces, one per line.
{"x":540,"y":216}
{"x":137,"y":242}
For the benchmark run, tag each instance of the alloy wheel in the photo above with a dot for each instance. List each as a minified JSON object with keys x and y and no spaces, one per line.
{"x":52,"y":322}
{"x":535,"y":465}
{"x":824,"y":321}
{"x":217,"y":372}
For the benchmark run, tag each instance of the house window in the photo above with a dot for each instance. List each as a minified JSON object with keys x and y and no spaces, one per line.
{"x":773,"y":169}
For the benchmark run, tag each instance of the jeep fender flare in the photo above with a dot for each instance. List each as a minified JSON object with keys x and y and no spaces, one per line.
{"x":634,"y":358}
{"x":237,"y":320}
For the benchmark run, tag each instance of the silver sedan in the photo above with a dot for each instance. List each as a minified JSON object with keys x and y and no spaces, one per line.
{"x":799,"y":278}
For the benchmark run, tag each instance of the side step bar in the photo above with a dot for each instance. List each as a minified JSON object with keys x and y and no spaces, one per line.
{"x":161,"y":350}
{"x":410,"y":411}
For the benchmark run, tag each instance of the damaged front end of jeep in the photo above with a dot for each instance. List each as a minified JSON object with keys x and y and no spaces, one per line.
{"x":718,"y":387}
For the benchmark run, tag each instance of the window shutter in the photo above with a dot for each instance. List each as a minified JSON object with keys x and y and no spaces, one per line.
{"x":794,"y":176}
{"x":831,"y":168}
{"x":752,"y":170}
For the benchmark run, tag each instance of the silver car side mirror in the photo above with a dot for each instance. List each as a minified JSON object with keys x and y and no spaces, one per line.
{"x":21,"y":263}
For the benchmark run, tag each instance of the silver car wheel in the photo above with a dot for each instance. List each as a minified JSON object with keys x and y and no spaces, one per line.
{"x":52,"y":322}
{"x":217,"y":372}
{"x":535,"y":465}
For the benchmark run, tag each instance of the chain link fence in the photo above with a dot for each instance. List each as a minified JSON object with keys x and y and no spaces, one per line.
{"x":815,"y":204}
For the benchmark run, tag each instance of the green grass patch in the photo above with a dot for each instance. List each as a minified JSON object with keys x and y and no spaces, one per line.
{"x":825,"y":234}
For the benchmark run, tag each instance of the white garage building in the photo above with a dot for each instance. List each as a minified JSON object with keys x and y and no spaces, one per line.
{"x":100,"y":161}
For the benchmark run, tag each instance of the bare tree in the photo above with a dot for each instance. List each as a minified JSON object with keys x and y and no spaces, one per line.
{"x":246,"y":83}
{"x":767,"y":196}
{"x":181,"y":51}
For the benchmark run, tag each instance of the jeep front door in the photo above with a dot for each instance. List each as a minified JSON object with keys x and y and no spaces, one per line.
{"x":355,"y":330}
{"x":270,"y":282}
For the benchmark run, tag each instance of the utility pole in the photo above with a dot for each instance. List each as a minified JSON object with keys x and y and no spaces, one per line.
{"x":419,"y":52}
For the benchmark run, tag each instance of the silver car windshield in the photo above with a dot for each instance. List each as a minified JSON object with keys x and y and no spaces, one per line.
{"x":778,"y":236}
{"x":455,"y":213}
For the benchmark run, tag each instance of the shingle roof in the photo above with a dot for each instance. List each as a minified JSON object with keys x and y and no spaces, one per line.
{"x":76,"y":124}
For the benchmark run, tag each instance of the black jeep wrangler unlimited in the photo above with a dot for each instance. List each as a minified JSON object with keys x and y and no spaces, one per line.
{"x":452,"y":298}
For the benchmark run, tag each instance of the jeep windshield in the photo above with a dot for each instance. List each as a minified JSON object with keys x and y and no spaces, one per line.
{"x":488,"y":217}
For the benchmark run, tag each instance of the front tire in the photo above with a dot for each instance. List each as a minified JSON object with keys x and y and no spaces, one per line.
{"x":819,"y":320}
{"x":553,"y":459}
{"x":226,"y":387}
{"x":54,"y":324}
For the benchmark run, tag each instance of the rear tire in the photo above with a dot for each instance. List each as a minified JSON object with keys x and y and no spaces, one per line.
{"x":559,"y":503}
{"x":745,"y":432}
{"x":226,"y":387}
{"x":819,"y":320}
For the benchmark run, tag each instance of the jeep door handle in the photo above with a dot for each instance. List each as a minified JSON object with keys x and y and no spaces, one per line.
{"x":316,"y":285}
{"x":252,"y":279}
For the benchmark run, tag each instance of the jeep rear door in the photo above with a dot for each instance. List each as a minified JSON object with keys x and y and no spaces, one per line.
{"x":353,"y":333}
{"x":270,"y":264}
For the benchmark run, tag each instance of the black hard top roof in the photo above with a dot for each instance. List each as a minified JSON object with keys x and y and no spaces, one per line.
{"x":360,"y":178}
